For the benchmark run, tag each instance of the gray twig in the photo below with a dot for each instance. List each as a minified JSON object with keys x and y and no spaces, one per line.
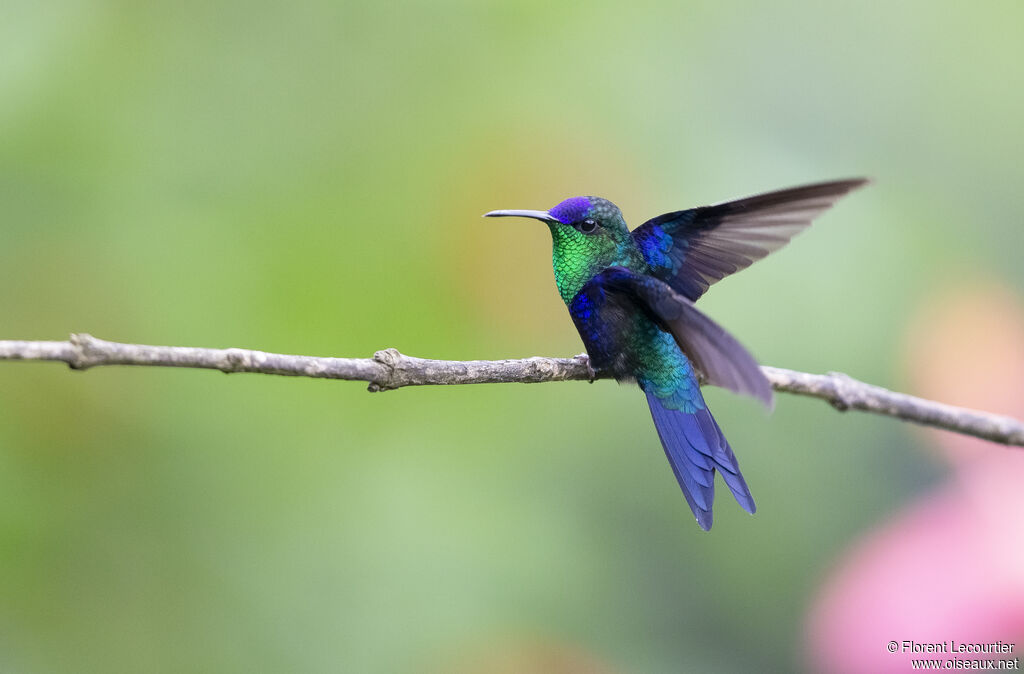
{"x":389,"y":369}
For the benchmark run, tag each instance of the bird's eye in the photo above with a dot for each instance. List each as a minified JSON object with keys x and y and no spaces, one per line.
{"x":588,"y":225}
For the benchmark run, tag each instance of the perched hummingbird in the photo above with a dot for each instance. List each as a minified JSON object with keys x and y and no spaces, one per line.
{"x":631,"y":296}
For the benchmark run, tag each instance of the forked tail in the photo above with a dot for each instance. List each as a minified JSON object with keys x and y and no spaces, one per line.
{"x":696,"y":447}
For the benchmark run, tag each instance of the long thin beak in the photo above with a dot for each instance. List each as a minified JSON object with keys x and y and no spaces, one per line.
{"x":536,"y":215}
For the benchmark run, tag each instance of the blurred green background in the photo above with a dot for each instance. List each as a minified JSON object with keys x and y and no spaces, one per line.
{"x":309,"y":178}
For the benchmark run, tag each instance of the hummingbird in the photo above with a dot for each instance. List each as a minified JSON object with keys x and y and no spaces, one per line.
{"x":632,"y":294}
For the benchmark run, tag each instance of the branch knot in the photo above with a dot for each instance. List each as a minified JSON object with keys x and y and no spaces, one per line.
{"x":235,"y":360}
{"x":842,"y":397}
{"x":85,"y":351}
{"x":390,"y":359}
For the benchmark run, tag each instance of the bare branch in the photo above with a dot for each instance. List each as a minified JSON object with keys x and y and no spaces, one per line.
{"x":389,"y":369}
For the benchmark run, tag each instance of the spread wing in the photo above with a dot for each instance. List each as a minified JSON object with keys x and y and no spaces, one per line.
{"x":713,"y":351}
{"x":693,"y":249}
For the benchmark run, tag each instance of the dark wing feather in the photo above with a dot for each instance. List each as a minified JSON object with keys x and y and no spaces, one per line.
{"x":693,"y":249}
{"x":713,"y":351}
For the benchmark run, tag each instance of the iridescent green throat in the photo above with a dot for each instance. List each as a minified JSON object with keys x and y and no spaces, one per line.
{"x":577,"y":257}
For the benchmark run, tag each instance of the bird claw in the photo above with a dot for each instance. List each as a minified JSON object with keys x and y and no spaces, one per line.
{"x":591,"y":372}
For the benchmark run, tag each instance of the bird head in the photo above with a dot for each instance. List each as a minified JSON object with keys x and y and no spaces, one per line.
{"x":588,"y":234}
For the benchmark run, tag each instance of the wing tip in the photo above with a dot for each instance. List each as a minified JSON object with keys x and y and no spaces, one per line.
{"x":854,"y":182}
{"x":827,"y":189}
{"x":765,"y":394}
{"x":847,"y":185}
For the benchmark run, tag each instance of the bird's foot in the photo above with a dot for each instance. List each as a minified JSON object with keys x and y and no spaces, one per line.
{"x":585,"y":360}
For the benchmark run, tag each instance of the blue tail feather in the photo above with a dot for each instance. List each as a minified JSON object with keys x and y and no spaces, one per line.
{"x":695,"y":448}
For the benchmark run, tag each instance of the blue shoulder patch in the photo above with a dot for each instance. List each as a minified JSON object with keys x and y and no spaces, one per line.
{"x":655,"y":245}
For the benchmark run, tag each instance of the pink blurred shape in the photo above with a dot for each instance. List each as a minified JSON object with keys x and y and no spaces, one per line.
{"x":950,"y":566}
